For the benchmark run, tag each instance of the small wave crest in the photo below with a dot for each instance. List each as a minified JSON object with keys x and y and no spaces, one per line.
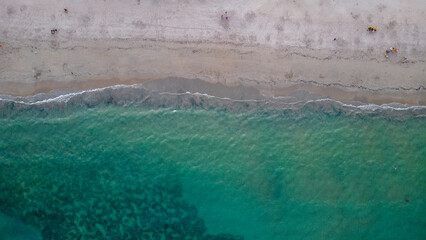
{"x":140,"y":94}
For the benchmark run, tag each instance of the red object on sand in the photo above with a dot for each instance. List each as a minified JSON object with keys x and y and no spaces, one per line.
{"x":0,"y":45}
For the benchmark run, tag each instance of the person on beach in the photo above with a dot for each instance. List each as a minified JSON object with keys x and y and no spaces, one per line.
{"x":65,"y":10}
{"x":224,"y":17}
{"x":53,"y":31}
{"x":387,"y":53}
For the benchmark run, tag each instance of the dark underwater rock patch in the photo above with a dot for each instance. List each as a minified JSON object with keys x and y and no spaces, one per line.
{"x":99,"y":204}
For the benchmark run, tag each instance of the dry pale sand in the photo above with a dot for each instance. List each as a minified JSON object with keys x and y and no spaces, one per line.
{"x":276,"y":46}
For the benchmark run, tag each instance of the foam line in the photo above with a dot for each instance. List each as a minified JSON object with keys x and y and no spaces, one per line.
{"x":64,"y":98}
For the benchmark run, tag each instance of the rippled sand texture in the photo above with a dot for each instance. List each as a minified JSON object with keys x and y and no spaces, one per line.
{"x":275,"y":46}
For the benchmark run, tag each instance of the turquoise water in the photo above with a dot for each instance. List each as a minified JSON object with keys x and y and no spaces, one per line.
{"x":137,"y":172}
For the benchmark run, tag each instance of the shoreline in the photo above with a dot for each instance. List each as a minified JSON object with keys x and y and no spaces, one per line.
{"x":179,"y":93}
{"x":37,"y":67}
{"x":301,"y":92}
{"x":378,"y":97}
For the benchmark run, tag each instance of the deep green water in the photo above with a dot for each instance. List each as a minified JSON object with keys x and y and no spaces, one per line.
{"x":117,"y":172}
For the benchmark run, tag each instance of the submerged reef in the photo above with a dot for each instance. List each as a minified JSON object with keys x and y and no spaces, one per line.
{"x":99,"y":203}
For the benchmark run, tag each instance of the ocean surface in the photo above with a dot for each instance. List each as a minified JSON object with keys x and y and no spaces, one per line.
{"x":105,"y":164}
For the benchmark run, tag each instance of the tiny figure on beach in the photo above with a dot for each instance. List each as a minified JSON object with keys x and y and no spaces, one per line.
{"x":387,"y":53}
{"x":224,"y":16}
{"x":53,"y":31}
{"x":334,"y":39}
{"x":404,"y":60}
{"x":65,"y":10}
{"x":394,"y":50}
{"x":372,"y":29}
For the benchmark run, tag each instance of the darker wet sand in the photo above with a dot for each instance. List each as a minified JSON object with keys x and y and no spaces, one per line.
{"x":411,"y":97}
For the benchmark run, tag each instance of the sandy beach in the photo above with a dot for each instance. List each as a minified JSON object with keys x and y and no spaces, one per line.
{"x":278,"y":47}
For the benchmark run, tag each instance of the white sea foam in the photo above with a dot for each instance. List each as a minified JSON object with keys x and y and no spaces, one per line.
{"x":64,"y":98}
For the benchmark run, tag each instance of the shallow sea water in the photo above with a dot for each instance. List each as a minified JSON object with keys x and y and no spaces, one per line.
{"x":140,"y":172}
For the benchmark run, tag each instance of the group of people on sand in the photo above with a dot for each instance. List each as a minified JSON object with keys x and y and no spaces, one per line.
{"x":389,"y":51}
{"x":372,"y":29}
{"x":393,"y":50}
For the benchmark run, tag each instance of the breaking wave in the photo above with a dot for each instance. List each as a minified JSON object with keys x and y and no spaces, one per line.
{"x":149,"y":96}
